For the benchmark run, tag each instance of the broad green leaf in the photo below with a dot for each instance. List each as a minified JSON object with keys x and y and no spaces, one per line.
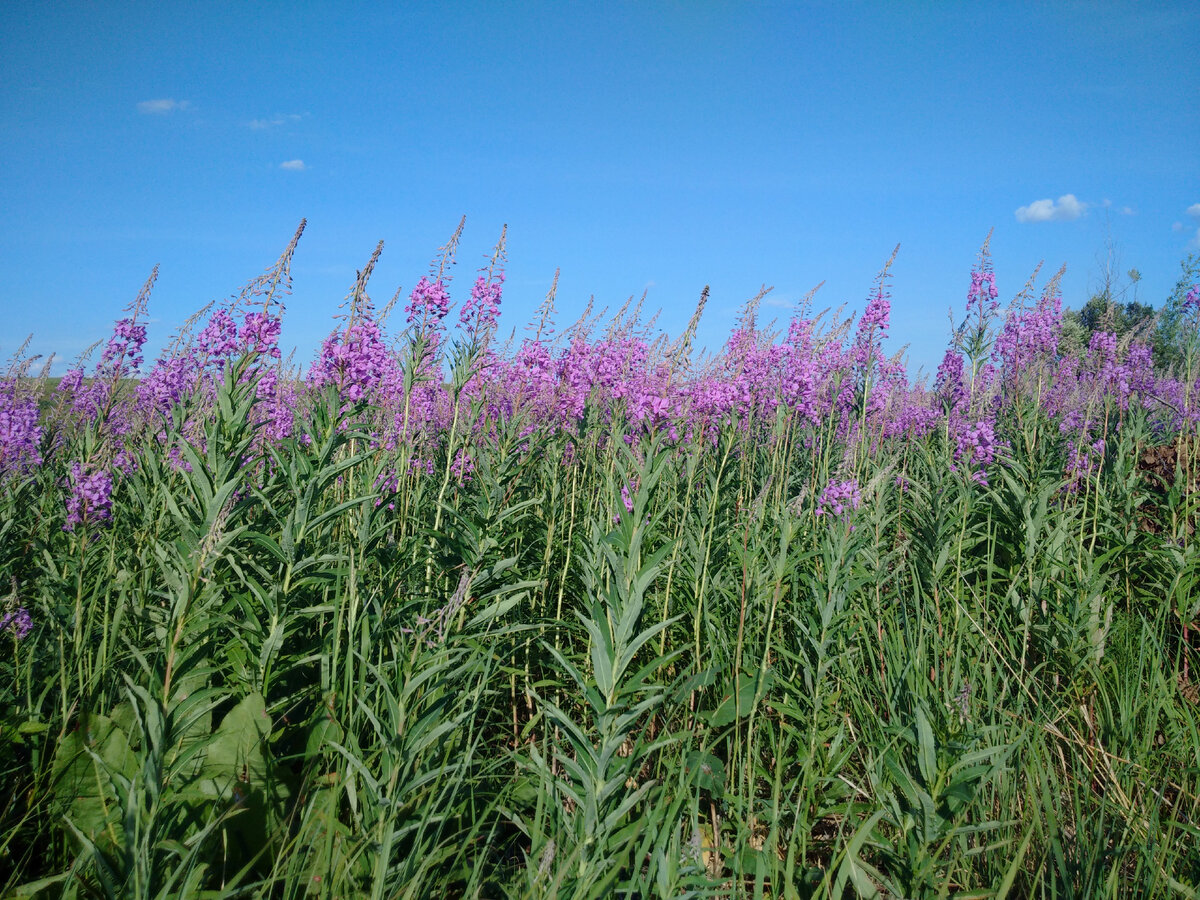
{"x":85,"y":764}
{"x":708,"y":771}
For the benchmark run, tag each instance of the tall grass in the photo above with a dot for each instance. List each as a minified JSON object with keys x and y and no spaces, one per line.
{"x":346,"y":637}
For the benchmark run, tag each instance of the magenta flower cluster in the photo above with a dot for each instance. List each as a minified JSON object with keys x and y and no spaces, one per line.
{"x":831,"y":384}
{"x":481,"y":311}
{"x":428,"y":304}
{"x":18,"y":622}
{"x":218,"y":342}
{"x":123,"y":352}
{"x":89,"y":500}
{"x":357,"y":361}
{"x":20,"y":428}
{"x":1191,"y":300}
{"x":259,"y":334}
{"x":839,"y":497}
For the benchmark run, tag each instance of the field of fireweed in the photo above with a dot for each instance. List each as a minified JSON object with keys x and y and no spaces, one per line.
{"x":584,"y":615}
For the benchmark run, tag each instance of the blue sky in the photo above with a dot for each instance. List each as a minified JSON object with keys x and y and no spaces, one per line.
{"x":639,"y":147}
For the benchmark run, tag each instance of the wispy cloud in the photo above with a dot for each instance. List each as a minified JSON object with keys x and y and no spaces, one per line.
{"x":293,"y":165}
{"x":162,"y":107}
{"x":1066,"y":208}
{"x":274,"y":122}
{"x":1194,"y":212}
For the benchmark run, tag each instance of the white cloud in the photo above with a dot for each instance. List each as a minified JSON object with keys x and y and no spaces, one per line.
{"x":1067,"y":208}
{"x":293,"y":165}
{"x":273,"y":122}
{"x":1194,"y":212}
{"x":1128,"y":211}
{"x":1177,"y":227}
{"x":162,"y":107}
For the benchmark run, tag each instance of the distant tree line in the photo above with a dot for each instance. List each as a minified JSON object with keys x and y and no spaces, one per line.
{"x":1112,"y":308}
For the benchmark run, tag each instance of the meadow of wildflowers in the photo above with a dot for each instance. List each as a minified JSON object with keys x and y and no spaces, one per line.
{"x":585,"y":613}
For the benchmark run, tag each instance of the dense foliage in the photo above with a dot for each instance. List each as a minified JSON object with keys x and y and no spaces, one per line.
{"x":582,"y":617}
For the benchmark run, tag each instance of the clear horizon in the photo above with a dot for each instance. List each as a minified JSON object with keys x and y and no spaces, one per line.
{"x":649,"y":148}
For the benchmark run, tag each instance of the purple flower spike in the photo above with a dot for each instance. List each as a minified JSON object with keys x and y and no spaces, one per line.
{"x":18,"y":622}
{"x":839,"y":497}
{"x":463,"y":466}
{"x":260,"y":334}
{"x":480,"y":313}
{"x":20,"y":432}
{"x":1191,"y":300}
{"x":357,"y":361}
{"x":91,"y":497}
{"x":124,"y":348}
{"x":218,"y":342}
{"x":428,"y":304}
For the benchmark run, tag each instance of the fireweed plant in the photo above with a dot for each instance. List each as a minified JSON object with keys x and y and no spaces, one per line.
{"x":579,"y":615}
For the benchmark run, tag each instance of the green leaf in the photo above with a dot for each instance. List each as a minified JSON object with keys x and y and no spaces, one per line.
{"x":708,"y":771}
{"x":926,"y":748}
{"x":1014,"y":867}
{"x":737,"y":705}
{"x":237,"y":751}
{"x":34,"y":888}
{"x":85,"y":764}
